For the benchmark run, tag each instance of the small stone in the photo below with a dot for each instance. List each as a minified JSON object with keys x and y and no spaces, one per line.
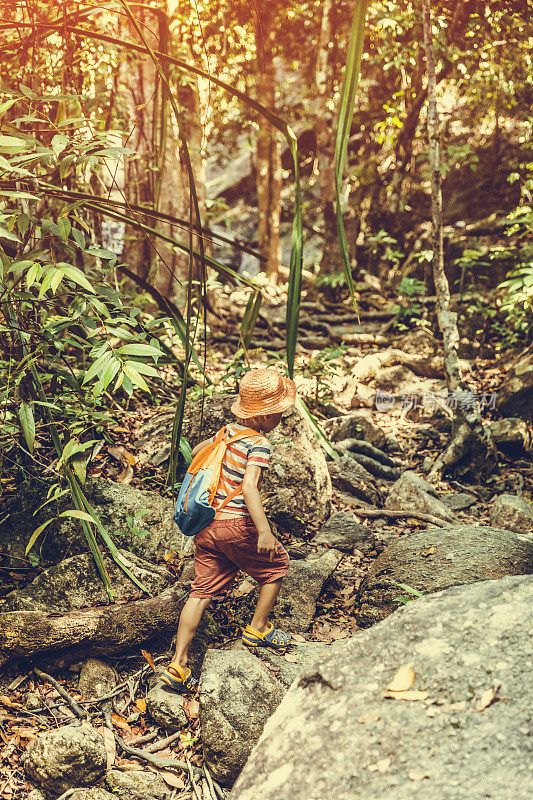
{"x":342,"y":532}
{"x":458,"y":501}
{"x":136,"y":785}
{"x":512,"y":513}
{"x":350,"y":476}
{"x":67,"y":755}
{"x":96,"y":678}
{"x":165,"y":706}
{"x":410,"y":492}
{"x":94,"y":793}
{"x":33,"y":701}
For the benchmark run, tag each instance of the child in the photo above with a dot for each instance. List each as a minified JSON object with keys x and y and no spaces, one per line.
{"x":239,"y":536}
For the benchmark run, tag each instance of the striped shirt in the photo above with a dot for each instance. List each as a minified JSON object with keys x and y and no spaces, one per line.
{"x":251,"y":450}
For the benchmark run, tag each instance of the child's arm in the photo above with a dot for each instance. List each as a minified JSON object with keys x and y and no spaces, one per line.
{"x":266,"y":542}
{"x":200,"y":446}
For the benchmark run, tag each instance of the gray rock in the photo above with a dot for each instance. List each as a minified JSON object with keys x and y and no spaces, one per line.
{"x":306,"y":654}
{"x":457,"y":501}
{"x":410,"y":492}
{"x":515,"y":395}
{"x":237,"y":695}
{"x":350,"y":476}
{"x":133,"y":785}
{"x":342,"y":532}
{"x":61,"y":758}
{"x":96,"y":678}
{"x":63,"y":538}
{"x":437,"y":558}
{"x":94,"y":793}
{"x":511,"y":434}
{"x":335,"y":736}
{"x":359,"y":425}
{"x":75,"y":583}
{"x":35,"y":794}
{"x":165,"y":706}
{"x":32,"y":701}
{"x":512,"y":513}
{"x":301,"y":588}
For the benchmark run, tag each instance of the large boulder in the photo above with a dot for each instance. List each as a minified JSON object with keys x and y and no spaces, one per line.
{"x":75,"y":583}
{"x":237,"y":695}
{"x":413,"y":492}
{"x":358,"y":425}
{"x":343,"y":533}
{"x":515,"y":395}
{"x":335,"y":735}
{"x":436,"y":559}
{"x":350,"y":476}
{"x":66,"y":757}
{"x":512,"y":513}
{"x":297,"y":486}
{"x":149,"y":532}
{"x":300,"y":590}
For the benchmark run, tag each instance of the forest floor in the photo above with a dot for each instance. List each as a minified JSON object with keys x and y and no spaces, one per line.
{"x":323,"y":377}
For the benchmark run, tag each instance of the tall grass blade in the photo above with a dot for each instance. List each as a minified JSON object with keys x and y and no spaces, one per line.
{"x":295,"y":266}
{"x":250,"y":318}
{"x":344,"y":124}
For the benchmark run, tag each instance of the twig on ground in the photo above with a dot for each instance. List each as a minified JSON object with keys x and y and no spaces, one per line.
{"x":143,"y":755}
{"x":381,"y":512}
{"x":80,"y":712}
{"x":147,"y":737}
{"x":191,"y":776}
{"x":215,"y":789}
{"x":153,"y":748}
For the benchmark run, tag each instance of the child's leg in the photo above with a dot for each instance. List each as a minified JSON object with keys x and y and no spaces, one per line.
{"x":190,"y":617}
{"x":268,"y":594}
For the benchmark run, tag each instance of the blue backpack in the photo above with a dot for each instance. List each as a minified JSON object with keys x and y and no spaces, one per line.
{"x":195,"y":507}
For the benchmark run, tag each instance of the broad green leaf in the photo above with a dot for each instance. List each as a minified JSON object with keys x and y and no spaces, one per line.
{"x":139,"y":350}
{"x":14,"y":195}
{"x":63,"y":226}
{"x":6,"y":105}
{"x":32,"y":274}
{"x":107,"y":376}
{"x":79,"y":238}
{"x":131,"y":372}
{"x":78,"y":463}
{"x":27,"y":423}
{"x":97,"y":366}
{"x":75,"y":513}
{"x":59,"y":142}
{"x":65,"y":165}
{"x":12,"y":144}
{"x":56,"y":280}
{"x":46,"y":282}
{"x":5,"y":234}
{"x":35,"y":535}
{"x":144,"y":369}
{"x":76,"y":276}
{"x":23,"y":223}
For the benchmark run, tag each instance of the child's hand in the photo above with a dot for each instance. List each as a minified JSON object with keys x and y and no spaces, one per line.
{"x":267,"y":543}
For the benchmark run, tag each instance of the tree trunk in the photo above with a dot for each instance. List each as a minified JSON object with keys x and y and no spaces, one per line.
{"x":157,"y":176}
{"x":331,"y":261}
{"x":107,"y":629}
{"x":471,"y":444}
{"x":268,"y":159}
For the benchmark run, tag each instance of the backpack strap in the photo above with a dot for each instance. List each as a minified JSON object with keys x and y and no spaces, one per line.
{"x":245,"y":434}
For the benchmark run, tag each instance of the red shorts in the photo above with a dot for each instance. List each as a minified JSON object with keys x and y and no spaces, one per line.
{"x":225,"y":547}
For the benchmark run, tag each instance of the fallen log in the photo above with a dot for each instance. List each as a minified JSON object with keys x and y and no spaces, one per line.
{"x":103,"y":629}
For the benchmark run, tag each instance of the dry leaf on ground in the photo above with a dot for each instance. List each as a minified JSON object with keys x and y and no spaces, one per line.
{"x":380,"y":766}
{"x":486,"y":698}
{"x":418,"y":776}
{"x":412,"y":695}
{"x":403,"y":679}
{"x":171,"y":778}
{"x":149,"y":658}
{"x":368,"y":718}
{"x":290,"y":658}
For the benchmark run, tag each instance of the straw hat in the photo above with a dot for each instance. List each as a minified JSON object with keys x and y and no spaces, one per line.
{"x":263,"y":391}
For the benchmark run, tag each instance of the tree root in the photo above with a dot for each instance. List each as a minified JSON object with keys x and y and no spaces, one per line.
{"x":381,"y":512}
